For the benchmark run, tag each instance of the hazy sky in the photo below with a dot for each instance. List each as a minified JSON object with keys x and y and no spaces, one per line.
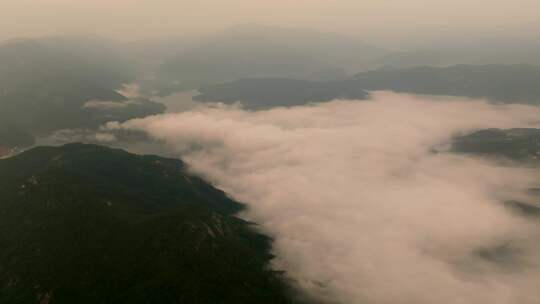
{"x":372,"y":18}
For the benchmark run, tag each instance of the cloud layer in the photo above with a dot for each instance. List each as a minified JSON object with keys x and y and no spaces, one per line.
{"x":361,"y":208}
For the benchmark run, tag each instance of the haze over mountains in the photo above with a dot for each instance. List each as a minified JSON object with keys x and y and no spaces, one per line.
{"x":58,"y":83}
{"x":491,"y":50}
{"x":252,"y":51}
{"x":498,"y":83}
{"x":292,"y":165}
{"x":249,"y":51}
{"x":256,"y":51}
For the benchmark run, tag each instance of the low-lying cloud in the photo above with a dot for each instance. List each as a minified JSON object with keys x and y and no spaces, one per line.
{"x":361,"y":207}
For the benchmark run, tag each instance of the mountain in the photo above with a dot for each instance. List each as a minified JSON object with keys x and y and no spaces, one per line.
{"x":497,"y":50}
{"x":46,"y":83}
{"x":498,"y":83}
{"x":503,"y":83}
{"x":520,"y":146}
{"x":272,"y":92}
{"x":254,"y":51}
{"x":89,"y":224}
{"x":515,"y":144}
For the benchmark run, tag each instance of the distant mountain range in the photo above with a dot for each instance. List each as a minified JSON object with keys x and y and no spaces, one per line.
{"x":89,"y":224}
{"x":272,"y":92}
{"x":74,"y":82}
{"x":492,"y":51}
{"x":498,"y":83}
{"x":256,"y":51}
{"x":45,"y":85}
{"x":250,"y":51}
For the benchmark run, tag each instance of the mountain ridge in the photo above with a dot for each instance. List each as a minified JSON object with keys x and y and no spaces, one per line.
{"x":85,"y":224}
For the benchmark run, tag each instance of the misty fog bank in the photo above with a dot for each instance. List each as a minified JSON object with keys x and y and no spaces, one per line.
{"x":360,"y":206}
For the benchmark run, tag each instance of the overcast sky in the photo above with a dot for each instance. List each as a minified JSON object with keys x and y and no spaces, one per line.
{"x":374,"y":19}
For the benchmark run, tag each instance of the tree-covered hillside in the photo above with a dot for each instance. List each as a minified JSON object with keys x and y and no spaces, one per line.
{"x":89,"y":224}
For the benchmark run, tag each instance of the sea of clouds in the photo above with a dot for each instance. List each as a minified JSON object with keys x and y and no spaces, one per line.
{"x":364,"y":203}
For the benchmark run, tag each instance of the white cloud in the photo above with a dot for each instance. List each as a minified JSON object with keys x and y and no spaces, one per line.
{"x":130,"y":90}
{"x":361,"y":209}
{"x":105,"y":137}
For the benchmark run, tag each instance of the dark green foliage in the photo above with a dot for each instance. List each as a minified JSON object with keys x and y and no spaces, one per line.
{"x":88,"y":224}
{"x":516,"y":144}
